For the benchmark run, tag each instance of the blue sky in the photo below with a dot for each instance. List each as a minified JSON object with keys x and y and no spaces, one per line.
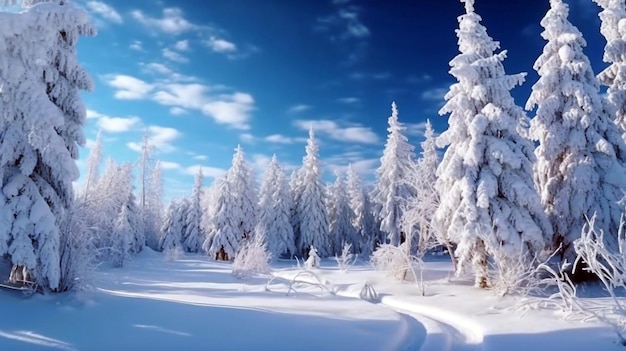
{"x":204,"y":76}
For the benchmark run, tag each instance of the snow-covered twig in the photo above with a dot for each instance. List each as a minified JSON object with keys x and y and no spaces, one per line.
{"x":301,"y":279}
{"x":347,"y":258}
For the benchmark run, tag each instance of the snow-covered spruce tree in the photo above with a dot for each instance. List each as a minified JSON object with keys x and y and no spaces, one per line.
{"x":614,"y":77}
{"x":295,"y":190}
{"x":123,"y":238}
{"x":311,"y":205}
{"x":391,"y":190}
{"x":363,"y":220}
{"x":224,"y":237}
{"x":194,"y":235}
{"x":340,"y":217}
{"x":154,"y":207}
{"x":275,"y":204}
{"x":580,"y":157}
{"x":488,"y":199}
{"x":93,"y":167}
{"x":41,"y":124}
{"x":243,"y":189}
{"x":174,"y":225}
{"x":132,"y":217}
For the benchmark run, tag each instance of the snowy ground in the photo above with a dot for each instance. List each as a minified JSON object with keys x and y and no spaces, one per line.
{"x":196,"y":304}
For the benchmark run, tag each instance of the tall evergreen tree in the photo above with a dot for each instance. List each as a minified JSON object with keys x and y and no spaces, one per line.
{"x":341,"y":217}
{"x":41,"y":128}
{"x":174,"y":225}
{"x":224,"y":237}
{"x":488,"y":199}
{"x":194,"y":235}
{"x":311,"y":206}
{"x":242,"y":185}
{"x":363,"y":220}
{"x":614,"y":77}
{"x":391,"y":189}
{"x":580,"y":158}
{"x":275,"y":205}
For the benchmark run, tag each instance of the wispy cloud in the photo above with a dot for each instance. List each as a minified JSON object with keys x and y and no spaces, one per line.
{"x":221,"y":46}
{"x":369,"y":76}
{"x":282,"y":139}
{"x":365,"y":166}
{"x":346,"y":29}
{"x":415,"y":129}
{"x":298,"y":108}
{"x":118,"y":124}
{"x":349,"y":100}
{"x":353,"y":133}
{"x":182,"y":45}
{"x":172,"y":22}
{"x":136,"y":45}
{"x":231,"y":108}
{"x":247,"y":138}
{"x":161,"y":138}
{"x":178,"y":111}
{"x":435,"y":94}
{"x":128,"y":87}
{"x":174,"y":56}
{"x":105,"y":11}
{"x":166,"y":165}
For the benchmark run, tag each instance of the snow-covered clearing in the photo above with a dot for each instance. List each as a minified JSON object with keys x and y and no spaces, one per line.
{"x":196,"y":304}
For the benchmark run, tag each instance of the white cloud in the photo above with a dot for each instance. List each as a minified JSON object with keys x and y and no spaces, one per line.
{"x":117,"y":124}
{"x":177,"y":111}
{"x":435,"y":94}
{"x":231,"y":109}
{"x":91,"y":114}
{"x":415,"y":129}
{"x":105,"y":11}
{"x":182,"y":45}
{"x":200,"y":157}
{"x":136,"y":45}
{"x":128,"y":88}
{"x":221,"y":45}
{"x":160,"y":137}
{"x":212,"y":172}
{"x":156,"y":68}
{"x":298,"y":108}
{"x":281,"y":139}
{"x":349,"y":100}
{"x":172,"y":22}
{"x":346,"y":20}
{"x":247,"y":138}
{"x":165,"y":165}
{"x":174,"y":56}
{"x":355,"y":133}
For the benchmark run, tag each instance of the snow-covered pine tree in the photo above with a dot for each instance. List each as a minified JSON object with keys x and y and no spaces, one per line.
{"x":488,"y":199}
{"x":614,"y":77}
{"x":296,"y":193}
{"x":123,"y":238}
{"x":244,"y":194}
{"x":340,"y":217}
{"x":275,"y":204}
{"x":391,"y":190}
{"x":580,"y":157}
{"x":174,"y":225}
{"x":93,"y":166}
{"x":363,"y":220}
{"x":124,"y":185}
{"x":224,"y":237}
{"x":41,"y":123}
{"x":154,"y":207}
{"x":311,"y":205}
{"x":194,"y":235}
{"x":421,"y":208}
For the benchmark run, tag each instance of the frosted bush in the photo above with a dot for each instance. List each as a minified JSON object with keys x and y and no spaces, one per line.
{"x":252,"y":258}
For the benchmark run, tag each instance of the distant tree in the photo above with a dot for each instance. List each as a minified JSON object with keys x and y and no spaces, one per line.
{"x":295,"y":189}
{"x":580,"y":157}
{"x":613,"y":16}
{"x":488,"y":199}
{"x":311,"y":205}
{"x":390,"y":190}
{"x":193,"y":236}
{"x":174,"y":225}
{"x":363,"y":220}
{"x":154,"y":207}
{"x":41,"y":127}
{"x":123,"y":238}
{"x":341,"y":217}
{"x":224,"y":237}
{"x":93,"y":166}
{"x":275,"y":204}
{"x":243,"y":189}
